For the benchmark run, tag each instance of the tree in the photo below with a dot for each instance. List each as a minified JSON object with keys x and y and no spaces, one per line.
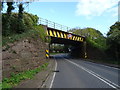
{"x":21,"y":27}
{"x":7,"y":19}
{"x":10,"y":7}
{"x":93,"y":36}
{"x":113,"y":28}
{"x":113,"y":40}
{"x":1,"y":6}
{"x":20,"y":15}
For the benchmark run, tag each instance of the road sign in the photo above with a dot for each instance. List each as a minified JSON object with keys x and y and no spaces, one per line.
{"x":69,"y":35}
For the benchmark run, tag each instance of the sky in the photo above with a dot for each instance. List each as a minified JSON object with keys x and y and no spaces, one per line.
{"x":98,"y":14}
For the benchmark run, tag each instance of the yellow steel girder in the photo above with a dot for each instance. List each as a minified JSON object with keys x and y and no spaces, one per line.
{"x":59,"y":34}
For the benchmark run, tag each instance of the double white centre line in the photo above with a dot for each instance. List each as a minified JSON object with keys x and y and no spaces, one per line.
{"x":108,"y":82}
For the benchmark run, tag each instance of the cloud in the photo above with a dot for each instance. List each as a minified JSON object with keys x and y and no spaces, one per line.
{"x":114,"y":11}
{"x":96,"y":7}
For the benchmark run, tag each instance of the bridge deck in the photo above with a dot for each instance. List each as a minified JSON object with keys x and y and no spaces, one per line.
{"x":65,"y":35}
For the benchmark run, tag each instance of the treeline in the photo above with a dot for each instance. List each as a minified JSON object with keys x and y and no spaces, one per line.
{"x":113,"y":41}
{"x":12,"y":24}
{"x":18,"y":25}
{"x":17,"y":22}
{"x":93,"y":36}
{"x":109,"y":44}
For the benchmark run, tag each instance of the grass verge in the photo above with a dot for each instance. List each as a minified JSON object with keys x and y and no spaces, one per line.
{"x":15,"y":79}
{"x":37,"y":31}
{"x":16,"y":37}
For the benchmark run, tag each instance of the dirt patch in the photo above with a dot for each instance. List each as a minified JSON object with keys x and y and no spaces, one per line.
{"x":22,"y":55}
{"x":39,"y":78}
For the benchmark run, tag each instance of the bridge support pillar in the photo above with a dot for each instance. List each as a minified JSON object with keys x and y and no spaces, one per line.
{"x":79,"y":50}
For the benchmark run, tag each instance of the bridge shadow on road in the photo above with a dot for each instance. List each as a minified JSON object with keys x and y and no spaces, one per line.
{"x":64,"y":56}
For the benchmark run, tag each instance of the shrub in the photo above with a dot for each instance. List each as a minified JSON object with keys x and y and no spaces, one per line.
{"x":12,"y":24}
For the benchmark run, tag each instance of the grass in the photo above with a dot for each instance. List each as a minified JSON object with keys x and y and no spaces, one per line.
{"x":41,"y":31}
{"x":15,"y":37}
{"x":15,"y":79}
{"x":37,"y":31}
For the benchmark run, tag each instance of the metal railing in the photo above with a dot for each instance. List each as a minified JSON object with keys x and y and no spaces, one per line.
{"x":54,"y":25}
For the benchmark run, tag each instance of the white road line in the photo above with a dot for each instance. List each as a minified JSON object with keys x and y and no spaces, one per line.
{"x":113,"y":85}
{"x":105,"y":66}
{"x":110,"y":67}
{"x":53,"y":74}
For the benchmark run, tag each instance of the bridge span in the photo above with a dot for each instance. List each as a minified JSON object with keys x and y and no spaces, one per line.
{"x":57,"y":35}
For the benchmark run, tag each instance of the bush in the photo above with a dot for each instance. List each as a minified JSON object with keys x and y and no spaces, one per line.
{"x":41,"y":32}
{"x":12,"y":24}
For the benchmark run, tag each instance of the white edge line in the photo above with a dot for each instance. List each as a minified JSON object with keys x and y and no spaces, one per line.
{"x":91,"y":73}
{"x":105,"y":65}
{"x":53,"y":74}
{"x":111,"y":67}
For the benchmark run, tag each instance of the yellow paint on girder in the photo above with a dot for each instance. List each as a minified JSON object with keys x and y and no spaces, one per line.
{"x":78,"y":38}
{"x":51,"y":34}
{"x":61,"y":34}
{"x":73,"y":38}
{"x":58,"y":34}
{"x":82,"y":39}
{"x":47,"y":32}
{"x":55,"y":33}
{"x":65,"y":35}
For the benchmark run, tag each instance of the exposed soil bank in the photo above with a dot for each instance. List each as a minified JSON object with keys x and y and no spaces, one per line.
{"x":22,"y":55}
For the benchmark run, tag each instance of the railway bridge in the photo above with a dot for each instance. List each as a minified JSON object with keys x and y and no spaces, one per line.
{"x":59,"y":35}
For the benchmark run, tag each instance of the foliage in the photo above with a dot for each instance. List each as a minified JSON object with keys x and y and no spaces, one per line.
{"x":33,"y":18}
{"x":1,"y":6}
{"x":15,"y":79}
{"x":17,"y":26}
{"x":20,"y":14}
{"x":93,"y":37}
{"x":10,"y":7}
{"x":41,"y":32}
{"x":15,"y":37}
{"x":113,"y":40}
{"x":20,"y":25}
{"x":114,"y":27}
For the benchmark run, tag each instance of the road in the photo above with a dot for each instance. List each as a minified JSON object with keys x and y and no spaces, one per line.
{"x":76,"y":73}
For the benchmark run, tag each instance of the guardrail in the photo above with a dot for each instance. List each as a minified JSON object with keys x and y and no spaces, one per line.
{"x":54,"y":25}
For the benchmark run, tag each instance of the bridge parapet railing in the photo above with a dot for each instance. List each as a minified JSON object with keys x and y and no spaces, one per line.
{"x":54,"y":25}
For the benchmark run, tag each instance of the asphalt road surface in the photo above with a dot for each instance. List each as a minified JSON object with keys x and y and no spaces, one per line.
{"x":76,"y":73}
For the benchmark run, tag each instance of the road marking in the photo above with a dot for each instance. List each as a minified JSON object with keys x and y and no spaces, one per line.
{"x":104,"y":65}
{"x":110,"y":67}
{"x":113,"y":85}
{"x":54,"y":74}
